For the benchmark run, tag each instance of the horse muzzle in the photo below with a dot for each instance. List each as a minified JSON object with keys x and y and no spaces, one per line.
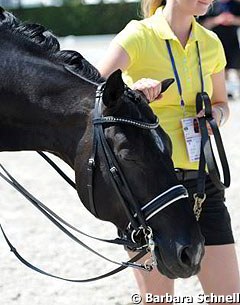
{"x":183,"y":263}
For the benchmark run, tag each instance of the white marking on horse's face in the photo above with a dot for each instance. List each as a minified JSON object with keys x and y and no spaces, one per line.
{"x":158,"y":140}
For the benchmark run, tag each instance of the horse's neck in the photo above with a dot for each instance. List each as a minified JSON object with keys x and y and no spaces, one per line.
{"x":45,"y":111}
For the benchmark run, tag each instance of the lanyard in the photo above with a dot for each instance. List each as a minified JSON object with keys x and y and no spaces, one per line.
{"x":176,"y":71}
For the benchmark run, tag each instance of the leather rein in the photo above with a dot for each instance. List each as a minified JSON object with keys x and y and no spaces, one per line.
{"x":207,"y":157}
{"x":137,"y":216}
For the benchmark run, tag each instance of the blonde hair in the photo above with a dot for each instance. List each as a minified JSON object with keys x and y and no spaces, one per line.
{"x":148,"y":7}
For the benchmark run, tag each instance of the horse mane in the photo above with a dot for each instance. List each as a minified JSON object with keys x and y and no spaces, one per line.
{"x":46,"y":43}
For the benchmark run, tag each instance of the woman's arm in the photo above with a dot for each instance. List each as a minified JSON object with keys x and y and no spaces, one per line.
{"x":220,"y":108}
{"x":212,"y":22}
{"x":117,"y":58}
{"x":225,"y":19}
{"x":219,"y":99}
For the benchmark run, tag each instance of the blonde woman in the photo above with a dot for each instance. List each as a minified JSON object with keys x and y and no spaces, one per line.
{"x":143,"y":52}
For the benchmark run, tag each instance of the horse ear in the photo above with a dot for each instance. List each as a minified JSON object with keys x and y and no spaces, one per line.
{"x":114,"y":89}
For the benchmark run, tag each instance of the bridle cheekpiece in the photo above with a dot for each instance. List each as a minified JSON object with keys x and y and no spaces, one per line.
{"x":137,"y":216}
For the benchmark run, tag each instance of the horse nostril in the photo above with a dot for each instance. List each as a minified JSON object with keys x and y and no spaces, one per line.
{"x":185,"y":256}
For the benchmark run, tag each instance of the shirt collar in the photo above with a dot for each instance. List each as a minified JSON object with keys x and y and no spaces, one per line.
{"x":164,"y":30}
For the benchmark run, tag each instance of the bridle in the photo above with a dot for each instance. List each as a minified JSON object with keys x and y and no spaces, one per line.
{"x":138,"y":216}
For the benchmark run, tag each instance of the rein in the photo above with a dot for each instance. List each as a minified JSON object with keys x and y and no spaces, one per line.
{"x":137,"y":216}
{"x":56,"y":220}
{"x":207,"y":155}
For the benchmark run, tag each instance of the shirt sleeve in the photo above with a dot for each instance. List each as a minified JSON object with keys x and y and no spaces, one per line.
{"x":220,"y":58}
{"x":132,"y":40}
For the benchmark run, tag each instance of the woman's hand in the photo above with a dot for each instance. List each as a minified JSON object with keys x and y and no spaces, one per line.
{"x":150,"y":87}
{"x":217,"y":114}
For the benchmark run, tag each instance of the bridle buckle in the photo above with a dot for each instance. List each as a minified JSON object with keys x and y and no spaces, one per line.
{"x":91,"y":162}
{"x":198,"y":202}
{"x":152,"y":261}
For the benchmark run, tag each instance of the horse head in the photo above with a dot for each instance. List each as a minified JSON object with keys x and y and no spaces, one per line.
{"x":47,"y":100}
{"x":134,"y":184}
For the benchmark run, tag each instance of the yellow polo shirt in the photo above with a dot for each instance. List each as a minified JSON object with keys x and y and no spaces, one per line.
{"x":145,"y":43}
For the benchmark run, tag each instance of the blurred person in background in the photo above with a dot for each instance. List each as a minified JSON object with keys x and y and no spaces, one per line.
{"x":142,"y":50}
{"x":224,"y":19}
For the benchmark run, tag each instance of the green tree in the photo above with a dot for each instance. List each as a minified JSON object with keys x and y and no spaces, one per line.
{"x":73,"y":2}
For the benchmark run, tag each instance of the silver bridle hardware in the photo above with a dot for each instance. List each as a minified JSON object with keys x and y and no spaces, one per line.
{"x":137,"y":215}
{"x":198,"y":202}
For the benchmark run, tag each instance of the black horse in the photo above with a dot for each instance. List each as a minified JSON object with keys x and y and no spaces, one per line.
{"x":47,"y":103}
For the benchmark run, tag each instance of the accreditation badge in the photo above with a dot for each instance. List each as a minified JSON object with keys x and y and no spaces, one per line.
{"x":192,"y":138}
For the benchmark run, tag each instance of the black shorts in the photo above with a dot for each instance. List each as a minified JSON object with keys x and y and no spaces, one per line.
{"x":214,"y":222}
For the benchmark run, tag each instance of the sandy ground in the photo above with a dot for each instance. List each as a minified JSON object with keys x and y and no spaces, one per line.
{"x":44,"y":245}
